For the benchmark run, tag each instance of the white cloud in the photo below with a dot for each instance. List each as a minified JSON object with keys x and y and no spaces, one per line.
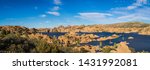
{"x":132,"y":12}
{"x":138,"y":14}
{"x":117,"y":15}
{"x":133,"y":17}
{"x":142,"y":1}
{"x":93,"y":15}
{"x":131,"y":7}
{"x":138,"y":3}
{"x":127,"y":16}
{"x":96,"y":17}
{"x":56,"y":8}
{"x":54,"y":13}
{"x":135,"y":5}
{"x":57,"y":2}
{"x":43,"y":15}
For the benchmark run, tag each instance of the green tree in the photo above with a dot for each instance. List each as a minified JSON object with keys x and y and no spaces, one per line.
{"x":115,"y":45}
{"x":78,"y":42}
{"x":100,"y":44}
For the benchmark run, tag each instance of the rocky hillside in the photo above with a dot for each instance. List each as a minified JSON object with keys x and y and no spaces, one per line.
{"x":16,"y":29}
{"x":126,"y":27}
{"x":129,"y":25}
{"x":145,"y":31}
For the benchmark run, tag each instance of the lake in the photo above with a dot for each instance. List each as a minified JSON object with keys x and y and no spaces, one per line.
{"x":139,"y":43}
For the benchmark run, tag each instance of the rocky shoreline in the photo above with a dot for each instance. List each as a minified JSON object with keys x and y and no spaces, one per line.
{"x":126,"y":27}
{"x":75,"y":39}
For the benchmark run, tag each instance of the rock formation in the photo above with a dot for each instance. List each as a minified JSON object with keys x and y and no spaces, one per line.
{"x":122,"y":48}
{"x":114,"y":36}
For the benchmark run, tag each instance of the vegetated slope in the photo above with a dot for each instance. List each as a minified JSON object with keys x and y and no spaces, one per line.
{"x":129,"y":25}
{"x":22,"y":39}
{"x":16,"y":29}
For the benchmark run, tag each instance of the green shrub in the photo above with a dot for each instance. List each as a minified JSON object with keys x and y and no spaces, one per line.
{"x":83,"y":50}
{"x":107,"y":49}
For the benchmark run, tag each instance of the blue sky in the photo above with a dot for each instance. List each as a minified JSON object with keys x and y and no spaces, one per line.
{"x":52,"y":13}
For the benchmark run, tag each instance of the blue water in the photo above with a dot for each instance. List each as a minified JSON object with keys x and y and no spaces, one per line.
{"x":139,"y":43}
{"x":54,"y":34}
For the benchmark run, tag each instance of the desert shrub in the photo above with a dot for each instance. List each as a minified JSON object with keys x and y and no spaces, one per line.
{"x":132,"y":49}
{"x":100,"y":44}
{"x":15,"y":48}
{"x":41,"y":46}
{"x":15,"y":43}
{"x":107,"y":49}
{"x":66,"y":50}
{"x":83,"y":50}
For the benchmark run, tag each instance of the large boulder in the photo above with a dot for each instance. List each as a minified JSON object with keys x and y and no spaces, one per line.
{"x":122,"y":48}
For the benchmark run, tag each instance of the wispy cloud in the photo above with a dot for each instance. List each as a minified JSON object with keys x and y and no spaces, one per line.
{"x":57,"y":2}
{"x":137,"y":11}
{"x":43,"y":15}
{"x":138,"y":14}
{"x":93,"y":15}
{"x":133,"y":17}
{"x":96,"y":17}
{"x":137,"y":4}
{"x":55,"y":8}
{"x":134,"y":5}
{"x":54,"y":13}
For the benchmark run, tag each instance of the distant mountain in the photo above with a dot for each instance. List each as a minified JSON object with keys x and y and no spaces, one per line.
{"x":124,"y":27}
{"x":129,"y":25}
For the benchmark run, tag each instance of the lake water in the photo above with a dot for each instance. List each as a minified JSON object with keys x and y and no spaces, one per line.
{"x":139,"y":43}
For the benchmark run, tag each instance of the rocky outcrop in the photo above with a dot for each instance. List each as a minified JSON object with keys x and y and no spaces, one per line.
{"x":87,"y":48}
{"x":145,"y":31}
{"x":40,"y":36}
{"x":74,"y":38}
{"x":130,"y":37}
{"x":122,"y":48}
{"x":114,"y":36}
{"x":118,"y":48}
